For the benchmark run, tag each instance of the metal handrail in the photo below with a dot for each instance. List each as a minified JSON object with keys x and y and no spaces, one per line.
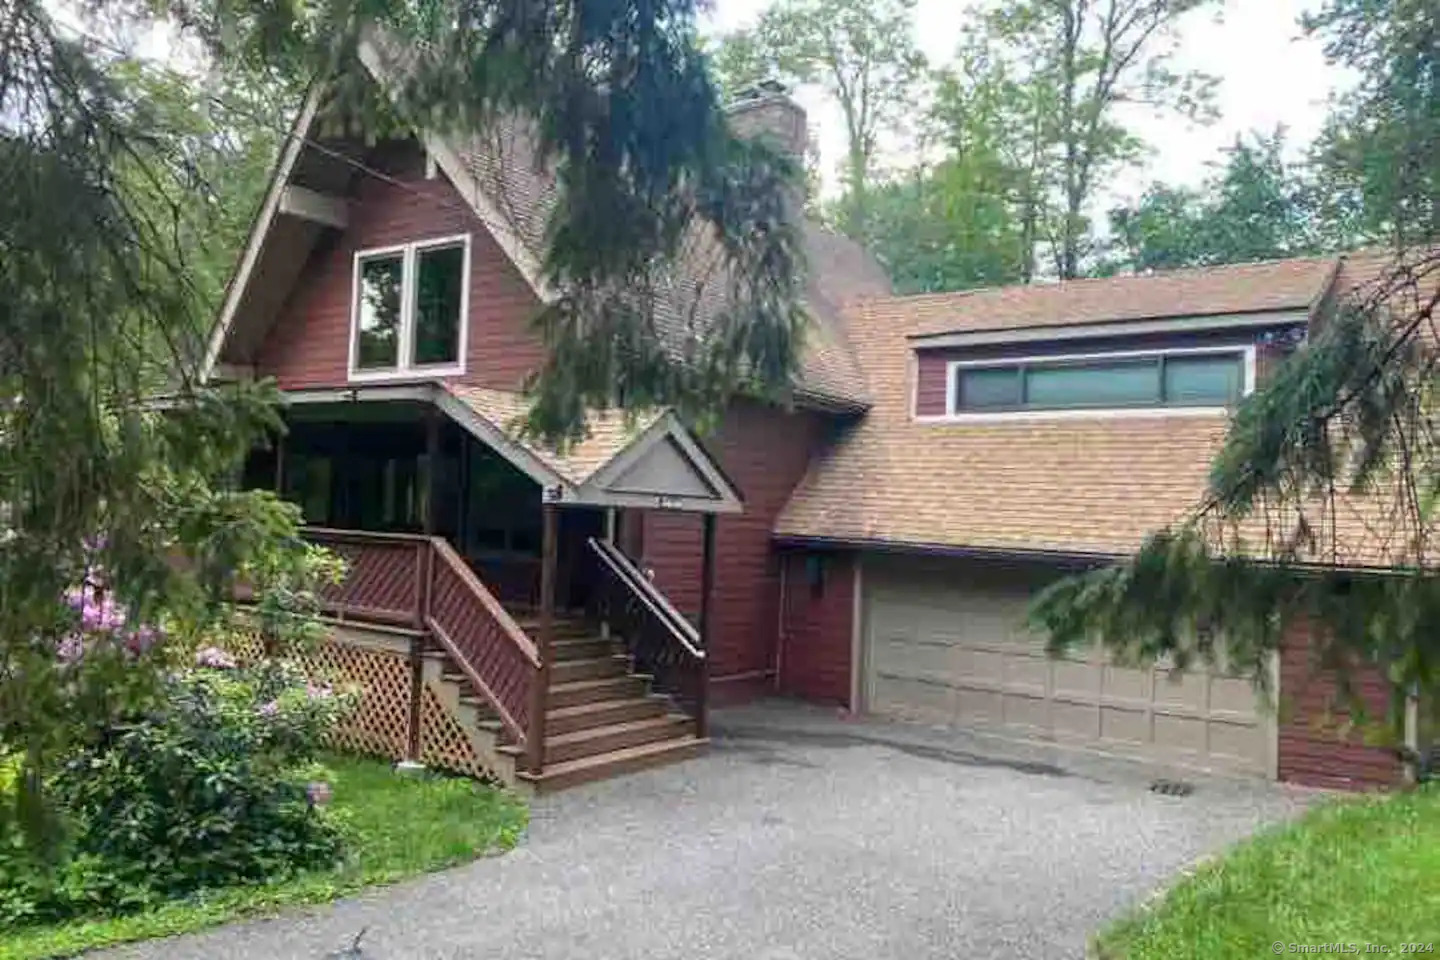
{"x":645,"y":591}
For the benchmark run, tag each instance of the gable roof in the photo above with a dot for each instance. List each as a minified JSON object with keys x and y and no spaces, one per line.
{"x":1084,"y":486}
{"x":1277,"y":285}
{"x":513,"y":192}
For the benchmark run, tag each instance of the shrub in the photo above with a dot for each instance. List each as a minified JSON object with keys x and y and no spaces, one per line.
{"x":209,"y":788}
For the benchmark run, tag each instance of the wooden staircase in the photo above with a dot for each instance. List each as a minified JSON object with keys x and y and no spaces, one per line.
{"x":601,"y":717}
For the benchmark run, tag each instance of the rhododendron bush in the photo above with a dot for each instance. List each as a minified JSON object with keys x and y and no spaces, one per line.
{"x":213,"y":783}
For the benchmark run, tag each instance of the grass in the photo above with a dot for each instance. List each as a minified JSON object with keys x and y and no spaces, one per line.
{"x":1359,"y":870}
{"x":399,"y":827}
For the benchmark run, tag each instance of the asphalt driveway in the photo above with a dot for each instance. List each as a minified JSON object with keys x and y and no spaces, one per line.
{"x":801,"y":835}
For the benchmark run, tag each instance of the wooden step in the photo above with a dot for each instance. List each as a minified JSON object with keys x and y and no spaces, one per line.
{"x":601,"y":713}
{"x":564,"y":629}
{"x":588,"y":669}
{"x":576,"y":692}
{"x":601,"y":766}
{"x":587,"y":648}
{"x":616,"y":736}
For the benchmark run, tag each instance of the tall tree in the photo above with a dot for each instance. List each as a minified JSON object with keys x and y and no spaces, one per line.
{"x":862,"y":52}
{"x":1256,"y":207}
{"x":1081,"y":60}
{"x":1321,"y":502}
{"x":1376,"y":155}
{"x":994,"y":117}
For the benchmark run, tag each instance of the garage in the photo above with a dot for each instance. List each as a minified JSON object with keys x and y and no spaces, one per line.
{"x":944,"y":642}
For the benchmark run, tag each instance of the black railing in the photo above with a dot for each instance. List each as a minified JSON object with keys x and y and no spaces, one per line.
{"x":659,"y":640}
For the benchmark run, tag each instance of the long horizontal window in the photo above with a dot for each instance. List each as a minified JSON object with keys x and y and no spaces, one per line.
{"x":1158,"y":380}
{"x":409,"y":308}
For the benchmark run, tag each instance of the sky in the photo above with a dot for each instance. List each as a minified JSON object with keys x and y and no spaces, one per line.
{"x":1269,"y":74}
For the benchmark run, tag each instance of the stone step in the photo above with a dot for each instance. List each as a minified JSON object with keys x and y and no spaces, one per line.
{"x":601,"y":713}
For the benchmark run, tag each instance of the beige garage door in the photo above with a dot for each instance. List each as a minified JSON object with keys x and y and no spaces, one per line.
{"x":945,"y":642}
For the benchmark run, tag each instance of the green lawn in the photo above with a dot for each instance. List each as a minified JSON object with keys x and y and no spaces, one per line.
{"x":399,"y":827}
{"x":1360,"y":870}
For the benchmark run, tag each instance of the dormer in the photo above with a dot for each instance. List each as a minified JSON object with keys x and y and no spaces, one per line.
{"x":1184,"y":343}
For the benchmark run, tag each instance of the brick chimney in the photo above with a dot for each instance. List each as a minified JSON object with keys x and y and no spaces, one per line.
{"x":765,"y":111}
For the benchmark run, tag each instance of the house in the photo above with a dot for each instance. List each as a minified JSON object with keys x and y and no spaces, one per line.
{"x":871,"y":545}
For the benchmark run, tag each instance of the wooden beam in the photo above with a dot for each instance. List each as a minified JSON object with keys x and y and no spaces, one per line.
{"x":707,"y":588}
{"x":316,"y":207}
{"x":545,"y":642}
{"x":432,"y":469}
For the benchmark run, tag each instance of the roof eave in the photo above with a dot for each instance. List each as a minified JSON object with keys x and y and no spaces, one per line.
{"x":1238,"y":320}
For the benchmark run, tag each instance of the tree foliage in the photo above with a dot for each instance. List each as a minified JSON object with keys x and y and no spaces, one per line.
{"x":862,"y":53}
{"x":1257,"y":206}
{"x":1321,"y":501}
{"x":1081,"y":60}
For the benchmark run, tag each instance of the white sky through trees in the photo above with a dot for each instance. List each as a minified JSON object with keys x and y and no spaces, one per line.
{"x":1270,"y":73}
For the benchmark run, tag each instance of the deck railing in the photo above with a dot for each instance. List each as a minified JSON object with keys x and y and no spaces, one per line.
{"x":420,"y":582}
{"x":659,"y":639}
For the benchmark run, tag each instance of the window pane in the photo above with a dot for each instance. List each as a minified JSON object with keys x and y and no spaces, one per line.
{"x":379,"y":311}
{"x":1118,"y":383}
{"x":987,"y":388}
{"x":1203,"y":381}
{"x":437,"y":305}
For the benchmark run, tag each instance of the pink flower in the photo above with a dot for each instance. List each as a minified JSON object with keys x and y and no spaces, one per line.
{"x":318,"y":692}
{"x":214,"y":658}
{"x":318,"y":793}
{"x":70,"y":648}
{"x":268,"y":709}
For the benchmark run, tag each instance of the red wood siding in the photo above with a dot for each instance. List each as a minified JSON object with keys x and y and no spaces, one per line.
{"x":1313,"y":753}
{"x":765,"y":452}
{"x":817,"y":629}
{"x":309,"y":344}
{"x":930,"y":388}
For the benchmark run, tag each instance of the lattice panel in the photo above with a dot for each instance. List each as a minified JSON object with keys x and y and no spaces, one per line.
{"x":379,"y":725}
{"x":444,"y":744}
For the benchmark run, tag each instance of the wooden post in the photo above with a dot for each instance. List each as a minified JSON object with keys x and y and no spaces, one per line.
{"x":280,"y":465}
{"x":424,"y":559}
{"x":432,"y":470}
{"x":707,"y":588}
{"x":545,"y":641}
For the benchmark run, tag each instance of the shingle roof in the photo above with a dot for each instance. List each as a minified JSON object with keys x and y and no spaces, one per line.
{"x":1065,"y":485}
{"x":609,"y":433}
{"x":503,"y":162}
{"x":1206,"y":291}
{"x":1084,"y":485}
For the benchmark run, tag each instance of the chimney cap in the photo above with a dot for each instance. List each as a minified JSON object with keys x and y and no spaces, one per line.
{"x":764,"y":89}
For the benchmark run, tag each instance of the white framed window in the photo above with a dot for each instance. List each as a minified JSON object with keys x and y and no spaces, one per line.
{"x":410,"y":309}
{"x":1204,"y":380}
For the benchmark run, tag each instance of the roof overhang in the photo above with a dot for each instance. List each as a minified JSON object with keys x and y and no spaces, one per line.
{"x":1072,"y":559}
{"x":662,"y":468}
{"x":1115,"y":328}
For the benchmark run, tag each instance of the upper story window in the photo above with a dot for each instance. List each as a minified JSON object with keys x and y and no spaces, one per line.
{"x":409,"y":309}
{"x":1202,"y":378}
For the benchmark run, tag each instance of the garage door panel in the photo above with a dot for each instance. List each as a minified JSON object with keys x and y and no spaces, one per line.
{"x":1125,"y":725}
{"x":1126,"y":683}
{"x":947,"y":643}
{"x":914,"y":699}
